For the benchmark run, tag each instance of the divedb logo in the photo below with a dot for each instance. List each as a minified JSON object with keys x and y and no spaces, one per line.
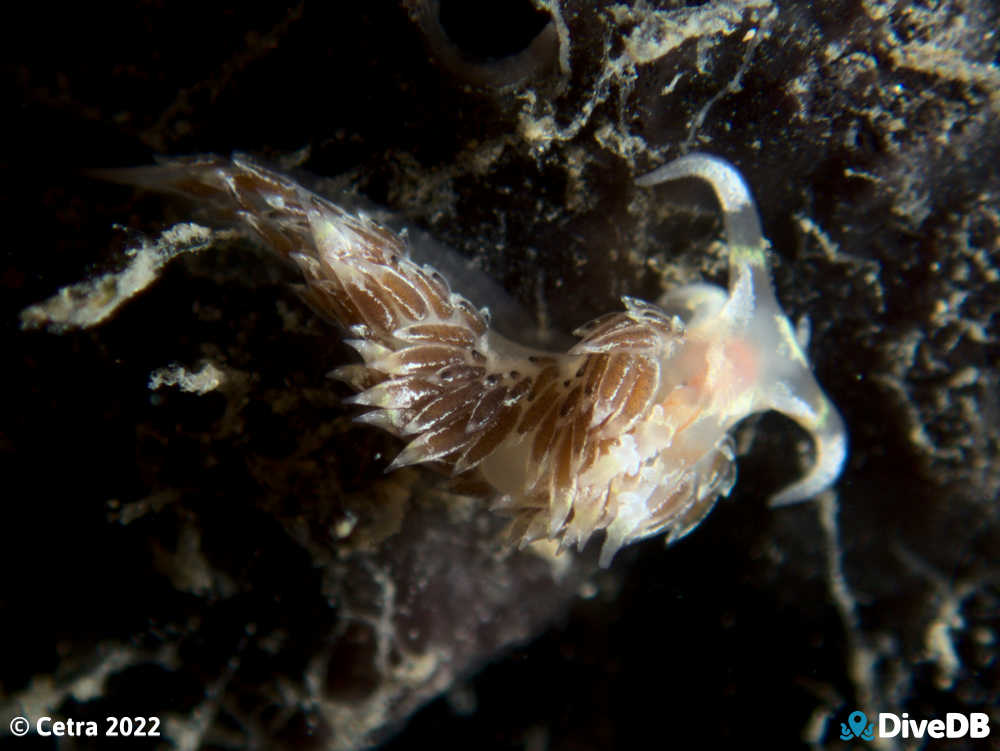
{"x":954,"y":725}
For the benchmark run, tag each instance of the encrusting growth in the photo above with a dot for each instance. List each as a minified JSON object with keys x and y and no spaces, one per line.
{"x":627,"y":432}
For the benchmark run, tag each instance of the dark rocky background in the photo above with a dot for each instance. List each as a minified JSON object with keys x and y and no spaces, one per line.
{"x":238,"y":564}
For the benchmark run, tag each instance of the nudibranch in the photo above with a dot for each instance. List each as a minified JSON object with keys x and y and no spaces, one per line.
{"x":626,"y":432}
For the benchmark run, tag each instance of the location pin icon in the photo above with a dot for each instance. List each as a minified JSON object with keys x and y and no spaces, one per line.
{"x":857,"y":721}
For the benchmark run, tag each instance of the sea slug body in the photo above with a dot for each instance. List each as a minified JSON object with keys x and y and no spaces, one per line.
{"x":627,"y":432}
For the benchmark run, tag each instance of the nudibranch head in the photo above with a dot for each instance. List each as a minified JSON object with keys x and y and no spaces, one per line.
{"x":783,"y":380}
{"x":627,"y":432}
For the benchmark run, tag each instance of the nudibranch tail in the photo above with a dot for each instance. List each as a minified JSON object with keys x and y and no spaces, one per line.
{"x":785,"y":382}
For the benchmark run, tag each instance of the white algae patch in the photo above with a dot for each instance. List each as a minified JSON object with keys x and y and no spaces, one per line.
{"x":208,"y":378}
{"x":87,"y":303}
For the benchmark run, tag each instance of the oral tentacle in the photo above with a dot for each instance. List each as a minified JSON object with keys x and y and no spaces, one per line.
{"x":747,"y":245}
{"x":815,"y":413}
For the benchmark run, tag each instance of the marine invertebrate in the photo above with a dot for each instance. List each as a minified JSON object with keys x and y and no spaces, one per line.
{"x":627,"y":432}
